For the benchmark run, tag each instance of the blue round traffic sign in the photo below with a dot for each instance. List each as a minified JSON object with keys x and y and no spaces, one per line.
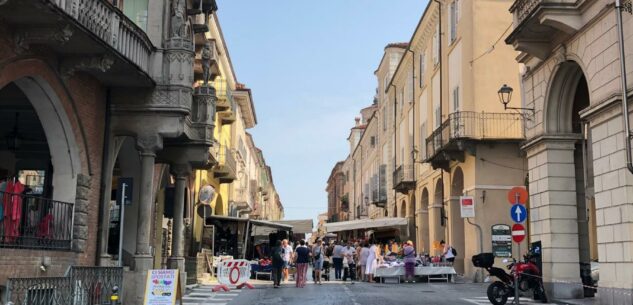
{"x":518,"y":213}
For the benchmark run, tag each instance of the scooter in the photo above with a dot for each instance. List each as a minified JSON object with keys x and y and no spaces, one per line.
{"x":527,"y":273}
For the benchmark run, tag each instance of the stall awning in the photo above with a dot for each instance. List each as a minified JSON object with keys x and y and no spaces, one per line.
{"x":365,"y":224}
{"x":303,"y":226}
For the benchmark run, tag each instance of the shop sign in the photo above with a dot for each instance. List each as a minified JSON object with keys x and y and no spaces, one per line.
{"x":467,"y":204}
{"x":502,"y":240}
{"x":162,"y":287}
{"x":234,"y":272}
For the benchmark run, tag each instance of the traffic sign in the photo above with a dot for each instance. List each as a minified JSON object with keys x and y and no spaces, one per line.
{"x":234,"y":272}
{"x":517,"y":194}
{"x":518,"y":213}
{"x":518,"y":232}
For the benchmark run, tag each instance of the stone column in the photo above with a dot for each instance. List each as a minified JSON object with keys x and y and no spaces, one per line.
{"x":436,"y":231}
{"x":105,"y":259}
{"x":147,"y":146}
{"x":423,"y":230}
{"x":553,"y":214}
{"x":177,"y":258}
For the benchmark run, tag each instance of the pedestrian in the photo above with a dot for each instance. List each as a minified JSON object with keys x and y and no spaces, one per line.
{"x":317,"y":258}
{"x":337,"y":259}
{"x":302,"y":256}
{"x":364,"y":254}
{"x":409,"y":261}
{"x":372,"y":261}
{"x":278,"y":264}
{"x":287,"y":255}
{"x":349,"y":254}
{"x":448,"y":253}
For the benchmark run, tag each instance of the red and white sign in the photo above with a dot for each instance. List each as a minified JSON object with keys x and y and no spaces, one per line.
{"x":518,"y":232}
{"x":234,"y":272}
{"x":517,"y":194}
{"x":467,"y":204}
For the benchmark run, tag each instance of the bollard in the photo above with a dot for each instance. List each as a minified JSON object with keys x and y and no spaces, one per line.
{"x":114,"y":298}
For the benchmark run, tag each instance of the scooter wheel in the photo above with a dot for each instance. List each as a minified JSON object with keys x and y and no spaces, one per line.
{"x":497,"y":293}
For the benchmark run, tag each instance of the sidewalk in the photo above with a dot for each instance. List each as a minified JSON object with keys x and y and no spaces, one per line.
{"x":585,"y":301}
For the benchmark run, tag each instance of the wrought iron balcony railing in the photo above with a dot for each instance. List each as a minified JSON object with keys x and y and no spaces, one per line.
{"x":468,"y":125}
{"x":224,"y":94}
{"x":225,"y":170}
{"x":35,"y":223}
{"x":110,"y":24}
{"x":523,"y":9}
{"x":403,"y":178}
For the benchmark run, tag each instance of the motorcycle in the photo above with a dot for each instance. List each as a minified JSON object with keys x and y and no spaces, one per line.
{"x":527,"y":273}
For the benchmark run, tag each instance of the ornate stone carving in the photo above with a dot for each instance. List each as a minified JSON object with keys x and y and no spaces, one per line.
{"x":178,"y":21}
{"x":176,"y":97}
{"x":25,"y":38}
{"x":149,"y":143}
{"x":71,"y":65}
{"x":206,"y":63}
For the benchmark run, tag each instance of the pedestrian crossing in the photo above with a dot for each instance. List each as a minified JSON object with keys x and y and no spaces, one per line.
{"x":203,"y":295}
{"x":523,"y":301}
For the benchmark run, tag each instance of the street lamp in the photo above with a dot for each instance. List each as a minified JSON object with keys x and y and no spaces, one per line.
{"x":505,"y":96}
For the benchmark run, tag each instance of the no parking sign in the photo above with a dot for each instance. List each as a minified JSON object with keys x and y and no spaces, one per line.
{"x":234,"y":272}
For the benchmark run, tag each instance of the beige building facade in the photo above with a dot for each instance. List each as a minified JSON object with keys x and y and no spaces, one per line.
{"x":581,"y":191}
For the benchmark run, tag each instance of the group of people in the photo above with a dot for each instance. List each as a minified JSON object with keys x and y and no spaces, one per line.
{"x":348,"y":259}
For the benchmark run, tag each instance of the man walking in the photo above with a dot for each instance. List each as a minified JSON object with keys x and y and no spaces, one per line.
{"x":278,"y":264}
{"x":287,"y":255}
{"x":337,"y":259}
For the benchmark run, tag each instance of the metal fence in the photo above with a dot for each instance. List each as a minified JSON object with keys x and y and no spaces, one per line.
{"x":80,"y":286}
{"x":476,"y":126}
{"x":35,"y":222}
{"x":404,"y":173}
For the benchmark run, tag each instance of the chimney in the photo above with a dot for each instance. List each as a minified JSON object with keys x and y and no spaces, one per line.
{"x":357,"y":119}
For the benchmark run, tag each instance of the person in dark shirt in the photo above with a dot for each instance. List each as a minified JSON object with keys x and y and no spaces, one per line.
{"x":302,"y":257}
{"x":278,"y":264}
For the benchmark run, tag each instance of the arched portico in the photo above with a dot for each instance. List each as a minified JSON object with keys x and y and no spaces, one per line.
{"x":423,"y":222}
{"x":456,"y":222}
{"x":436,"y":227}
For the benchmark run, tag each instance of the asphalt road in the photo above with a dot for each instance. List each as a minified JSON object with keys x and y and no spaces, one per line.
{"x":338,"y":293}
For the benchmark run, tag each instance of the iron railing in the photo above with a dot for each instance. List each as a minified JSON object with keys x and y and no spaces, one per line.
{"x":523,"y":9}
{"x":475,"y":126}
{"x":224,"y":94}
{"x":112,"y":26}
{"x":80,"y":286}
{"x":35,"y":222}
{"x":402,"y":174}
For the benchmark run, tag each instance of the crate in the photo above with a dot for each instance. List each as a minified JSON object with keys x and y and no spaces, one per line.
{"x":483,"y":260}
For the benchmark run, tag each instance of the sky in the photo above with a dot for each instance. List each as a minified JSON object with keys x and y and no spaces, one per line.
{"x":310,"y":65}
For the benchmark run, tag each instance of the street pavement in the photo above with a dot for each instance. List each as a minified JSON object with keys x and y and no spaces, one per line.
{"x":339,"y":293}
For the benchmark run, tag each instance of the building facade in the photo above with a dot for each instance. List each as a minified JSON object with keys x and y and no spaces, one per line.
{"x":574,"y":82}
{"x":113,"y":108}
{"x":338,"y":202}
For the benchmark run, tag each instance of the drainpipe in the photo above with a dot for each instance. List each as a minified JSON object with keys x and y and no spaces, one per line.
{"x":439,"y":57}
{"x":395,"y":140}
{"x":413,"y":84}
{"x":625,"y":105}
{"x":105,"y":155}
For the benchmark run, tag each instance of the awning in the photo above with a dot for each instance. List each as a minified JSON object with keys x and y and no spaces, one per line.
{"x":303,"y":226}
{"x":270,"y":224}
{"x":365,"y":224}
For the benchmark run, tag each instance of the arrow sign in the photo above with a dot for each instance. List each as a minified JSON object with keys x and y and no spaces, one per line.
{"x":518,"y":213}
{"x":518,"y":233}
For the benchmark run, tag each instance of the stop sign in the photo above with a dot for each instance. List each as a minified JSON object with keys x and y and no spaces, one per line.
{"x":518,"y":233}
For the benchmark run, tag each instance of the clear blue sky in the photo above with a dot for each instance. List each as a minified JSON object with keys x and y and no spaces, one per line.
{"x":310,"y":65}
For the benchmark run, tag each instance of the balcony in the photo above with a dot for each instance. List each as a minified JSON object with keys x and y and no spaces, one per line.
{"x":225,"y":170}
{"x":462,"y":130}
{"x":536,"y":22}
{"x":70,"y":28}
{"x":379,"y":188}
{"x":403,"y":179}
{"x":48,"y":225}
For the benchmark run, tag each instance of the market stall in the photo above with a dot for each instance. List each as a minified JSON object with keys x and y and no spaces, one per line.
{"x":430,"y":273}
{"x":382,"y":229}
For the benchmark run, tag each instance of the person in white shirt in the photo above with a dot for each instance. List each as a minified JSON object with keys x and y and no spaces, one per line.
{"x":372,"y":261}
{"x":364,"y":254}
{"x":287,"y":254}
{"x":349,"y":254}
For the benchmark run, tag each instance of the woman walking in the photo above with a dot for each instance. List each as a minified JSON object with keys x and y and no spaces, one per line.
{"x":372,"y":262}
{"x":317,"y":257}
{"x":302,"y":256}
{"x":278,"y":264}
{"x":364,"y":254}
{"x":409,"y":261}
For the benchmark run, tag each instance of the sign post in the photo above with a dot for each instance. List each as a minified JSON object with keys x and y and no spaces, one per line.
{"x":517,"y":196}
{"x":123,"y":197}
{"x":162,"y":287}
{"x":467,"y":205}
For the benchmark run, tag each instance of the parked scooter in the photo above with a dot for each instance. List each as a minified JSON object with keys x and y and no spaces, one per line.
{"x":529,"y":278}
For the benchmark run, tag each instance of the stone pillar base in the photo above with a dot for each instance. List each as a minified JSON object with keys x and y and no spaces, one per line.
{"x":560,"y":291}
{"x":615,"y":296}
{"x":178,"y":263}
{"x":105,"y":260}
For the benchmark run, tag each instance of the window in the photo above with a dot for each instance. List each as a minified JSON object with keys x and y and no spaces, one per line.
{"x":383,"y":112}
{"x":436,"y":45}
{"x":456,"y":106}
{"x":372,"y":141}
{"x":438,"y":116}
{"x":453,"y":21}
{"x":422,"y":67}
{"x":423,"y":141}
{"x":401,"y":101}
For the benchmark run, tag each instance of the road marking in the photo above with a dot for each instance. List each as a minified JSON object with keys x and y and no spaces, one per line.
{"x":484,"y":300}
{"x":351,"y":295}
